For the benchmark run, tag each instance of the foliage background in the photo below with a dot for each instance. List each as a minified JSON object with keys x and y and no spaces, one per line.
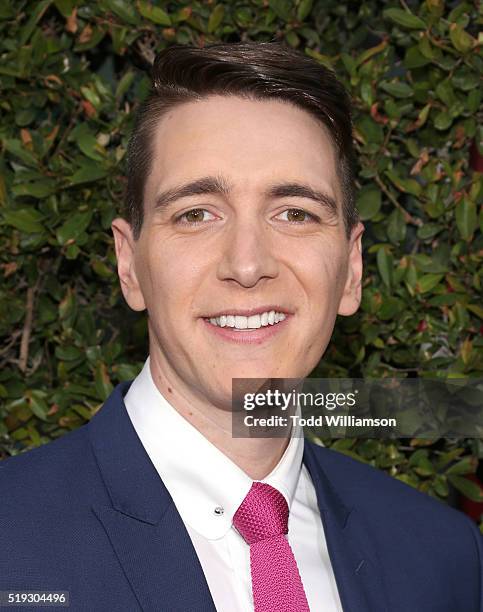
{"x":72,"y":72}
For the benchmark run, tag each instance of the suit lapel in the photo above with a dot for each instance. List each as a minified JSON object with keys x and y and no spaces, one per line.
{"x":352,"y":555}
{"x":142,"y":524}
{"x":152,"y":544}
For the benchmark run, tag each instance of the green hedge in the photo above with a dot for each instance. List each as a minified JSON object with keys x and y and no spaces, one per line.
{"x":72,"y":72}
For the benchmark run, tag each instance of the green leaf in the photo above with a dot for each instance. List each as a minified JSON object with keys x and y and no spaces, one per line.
{"x":429,"y":230}
{"x":444,"y":91}
{"x":101,"y":268}
{"x":38,"y":10}
{"x":349,"y":62}
{"x":390,"y":307}
{"x":216,"y":17}
{"x":427,"y":49}
{"x":36,"y":189}
{"x":90,"y":93}
{"x":422,"y":116}
{"x":304,"y":9}
{"x":466,"y":218}
{"x":124,"y":84}
{"x":122,"y":9}
{"x":67,"y":306}
{"x":421,"y":463}
{"x":73,"y":227}
{"x":94,"y":39}
{"x":396,"y":226}
{"x":292,"y":38}
{"x":414,"y":58}
{"x":16,"y":147}
{"x":368,"y":53}
{"x":371,"y":131}
{"x":102,"y":381}
{"x":406,"y":19}
{"x":474,"y":100}
{"x":281,"y":8}
{"x":385,"y":265}
{"x":441,"y":486}
{"x":154,"y":13}
{"x":406,"y":185}
{"x":88,"y":173}
{"x":37,"y":404}
{"x":87,"y":143}
{"x":366,"y":92}
{"x":467,"y":465}
{"x":475,"y":309}
{"x":325,"y":60}
{"x":470,"y":489}
{"x":396,"y":89}
{"x":464,"y":79}
{"x":27,"y":220}
{"x":427,"y":282}
{"x":65,"y":7}
{"x":68,"y":353}
{"x":443,"y":120}
{"x":462,"y":41}
{"x":6,"y":11}
{"x":72,"y":251}
{"x":368,"y":202}
{"x":126,"y":371}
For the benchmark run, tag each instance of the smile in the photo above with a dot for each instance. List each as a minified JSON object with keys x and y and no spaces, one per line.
{"x":256,"y":321}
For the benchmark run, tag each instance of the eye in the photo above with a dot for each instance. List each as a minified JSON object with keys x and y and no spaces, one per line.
{"x":195,"y":215}
{"x":297,"y":215}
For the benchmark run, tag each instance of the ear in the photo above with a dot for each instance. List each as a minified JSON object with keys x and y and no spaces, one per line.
{"x":351,"y":296}
{"x":125,"y":248}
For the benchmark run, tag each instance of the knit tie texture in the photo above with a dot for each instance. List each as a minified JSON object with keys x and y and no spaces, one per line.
{"x":262,"y":520}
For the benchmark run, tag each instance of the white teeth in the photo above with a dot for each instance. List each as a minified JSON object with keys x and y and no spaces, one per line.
{"x":253,"y":322}
{"x":241,"y":322}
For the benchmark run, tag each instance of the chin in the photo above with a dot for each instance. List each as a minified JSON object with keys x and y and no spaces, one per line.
{"x":250,"y":373}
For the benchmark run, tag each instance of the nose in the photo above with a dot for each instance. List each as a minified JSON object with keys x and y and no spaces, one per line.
{"x":247,"y":254}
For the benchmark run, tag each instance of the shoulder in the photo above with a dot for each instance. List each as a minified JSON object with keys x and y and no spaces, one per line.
{"x":41,"y":457}
{"x":47,"y":475}
{"x":389,"y":499}
{"x":420,"y":542}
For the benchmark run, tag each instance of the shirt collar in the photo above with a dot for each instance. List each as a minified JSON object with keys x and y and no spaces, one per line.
{"x":198,"y":476}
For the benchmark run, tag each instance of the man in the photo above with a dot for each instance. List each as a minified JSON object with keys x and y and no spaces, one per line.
{"x":242,"y":242}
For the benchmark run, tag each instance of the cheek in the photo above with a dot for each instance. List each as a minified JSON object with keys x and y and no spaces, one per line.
{"x":171,"y":279}
{"x":322,"y":277}
{"x":323,"y":292}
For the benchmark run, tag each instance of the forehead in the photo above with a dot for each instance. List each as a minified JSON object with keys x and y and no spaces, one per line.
{"x":250,"y":141}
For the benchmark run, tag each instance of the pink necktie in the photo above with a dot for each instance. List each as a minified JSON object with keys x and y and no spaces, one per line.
{"x":262,"y":520}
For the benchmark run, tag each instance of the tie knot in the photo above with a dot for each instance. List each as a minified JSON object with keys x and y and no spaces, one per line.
{"x":262,"y":514}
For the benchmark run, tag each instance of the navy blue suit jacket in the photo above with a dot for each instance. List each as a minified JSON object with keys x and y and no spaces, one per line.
{"x":88,"y":513}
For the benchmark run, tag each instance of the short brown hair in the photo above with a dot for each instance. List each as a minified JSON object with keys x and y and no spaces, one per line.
{"x":255,"y":70}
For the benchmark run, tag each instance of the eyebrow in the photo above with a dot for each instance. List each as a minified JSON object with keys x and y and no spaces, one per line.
{"x":217,"y":185}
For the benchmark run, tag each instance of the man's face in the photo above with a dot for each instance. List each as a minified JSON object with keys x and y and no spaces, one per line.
{"x":216,"y":271}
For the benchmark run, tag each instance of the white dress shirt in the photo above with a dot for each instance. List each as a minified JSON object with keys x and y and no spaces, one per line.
{"x":200,"y":478}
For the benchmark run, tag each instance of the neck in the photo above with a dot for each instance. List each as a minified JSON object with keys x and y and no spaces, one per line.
{"x":255,"y":456}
